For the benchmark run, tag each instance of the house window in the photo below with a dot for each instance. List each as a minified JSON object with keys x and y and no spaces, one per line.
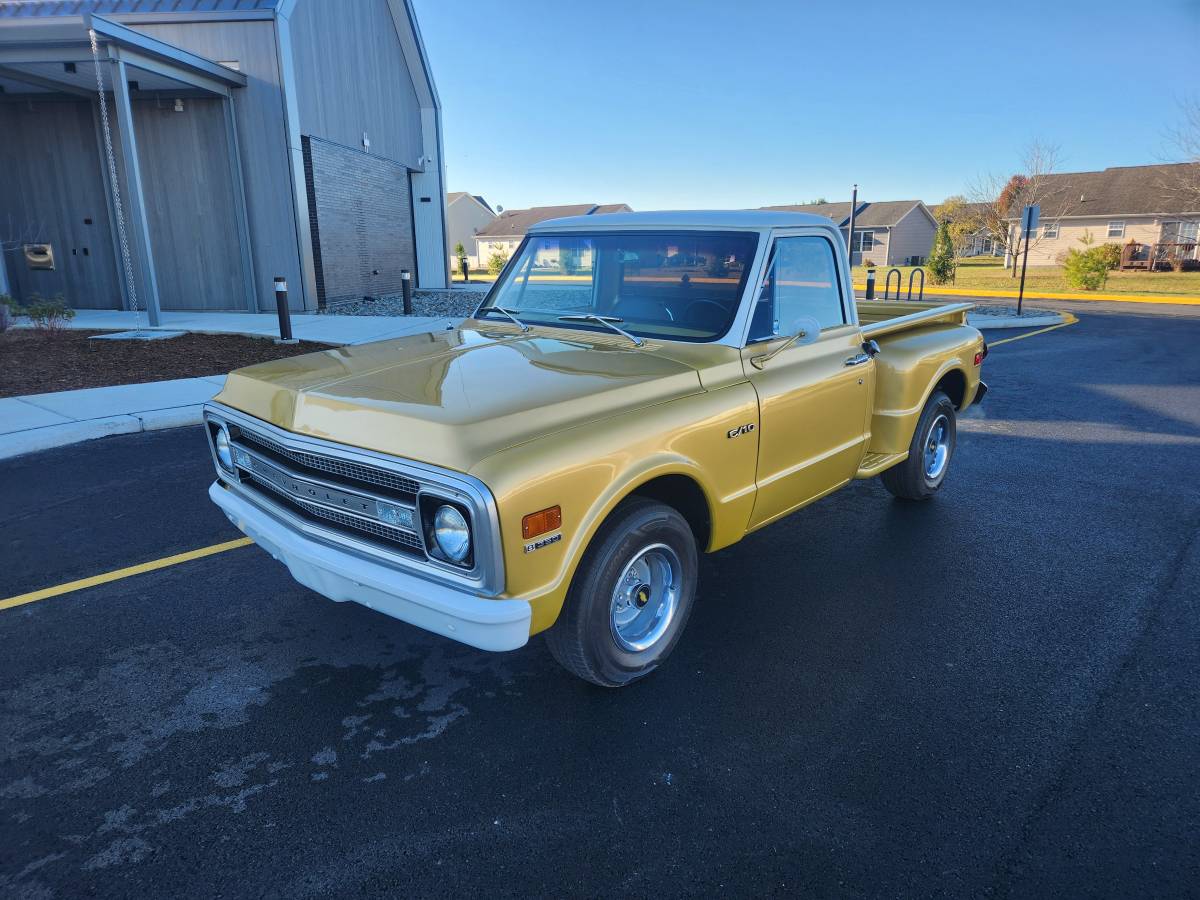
{"x":862,"y":241}
{"x":1116,"y":229}
{"x":1050,"y":230}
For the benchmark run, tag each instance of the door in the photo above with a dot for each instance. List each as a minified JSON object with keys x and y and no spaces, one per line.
{"x":814,"y":398}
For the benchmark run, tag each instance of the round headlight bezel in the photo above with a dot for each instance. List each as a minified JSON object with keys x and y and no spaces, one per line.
{"x":452,"y":534}
{"x":223,"y":448}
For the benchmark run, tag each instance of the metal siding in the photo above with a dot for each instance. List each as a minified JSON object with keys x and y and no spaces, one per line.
{"x":189,"y":203}
{"x":52,"y":180}
{"x":352,"y":77}
{"x":48,"y":8}
{"x":262,"y":137}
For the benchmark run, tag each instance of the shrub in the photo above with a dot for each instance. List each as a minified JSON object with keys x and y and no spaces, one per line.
{"x":460,"y":252}
{"x":49,"y":315}
{"x":497,"y":261}
{"x":1111,"y":254}
{"x":941,"y":257}
{"x":1087,"y":269}
{"x":869,"y":264}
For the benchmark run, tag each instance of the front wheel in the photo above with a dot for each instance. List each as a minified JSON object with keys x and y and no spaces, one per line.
{"x":630,"y":597}
{"x":929,"y":454}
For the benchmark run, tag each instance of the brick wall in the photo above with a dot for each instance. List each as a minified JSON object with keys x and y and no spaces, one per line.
{"x":360,"y":219}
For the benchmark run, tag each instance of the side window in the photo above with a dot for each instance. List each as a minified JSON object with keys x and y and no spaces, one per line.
{"x":802,"y":280}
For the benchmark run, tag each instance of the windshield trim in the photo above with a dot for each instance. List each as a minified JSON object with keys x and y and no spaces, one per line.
{"x":748,"y":277}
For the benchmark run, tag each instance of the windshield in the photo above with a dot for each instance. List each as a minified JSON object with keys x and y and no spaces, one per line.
{"x":681,"y":286}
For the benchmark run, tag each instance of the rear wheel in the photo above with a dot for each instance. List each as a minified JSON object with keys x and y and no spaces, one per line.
{"x":630,"y":598}
{"x":929,"y":454}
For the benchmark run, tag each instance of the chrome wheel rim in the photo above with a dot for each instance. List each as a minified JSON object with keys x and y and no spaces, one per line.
{"x":646,"y":598}
{"x":937,"y":448}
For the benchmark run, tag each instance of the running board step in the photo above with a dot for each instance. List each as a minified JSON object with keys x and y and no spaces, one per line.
{"x":874,"y":463}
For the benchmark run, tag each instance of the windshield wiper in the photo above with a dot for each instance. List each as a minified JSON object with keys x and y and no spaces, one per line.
{"x":504,"y":312}
{"x":609,"y":322}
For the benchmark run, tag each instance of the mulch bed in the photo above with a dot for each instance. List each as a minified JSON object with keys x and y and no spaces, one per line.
{"x":37,"y":362}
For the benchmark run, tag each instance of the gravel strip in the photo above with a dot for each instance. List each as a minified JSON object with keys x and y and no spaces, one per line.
{"x":452,"y":303}
{"x":1010,"y":312}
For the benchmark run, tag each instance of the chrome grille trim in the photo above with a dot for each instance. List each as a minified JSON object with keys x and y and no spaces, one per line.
{"x":367,"y":474}
{"x":395,"y":535}
{"x":485,"y":578}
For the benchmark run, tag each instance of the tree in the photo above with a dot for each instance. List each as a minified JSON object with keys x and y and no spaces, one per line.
{"x":460,"y":252}
{"x":942,"y":261}
{"x":497,"y":261}
{"x":1183,"y":182}
{"x":1001,"y":198}
{"x":964,"y":222}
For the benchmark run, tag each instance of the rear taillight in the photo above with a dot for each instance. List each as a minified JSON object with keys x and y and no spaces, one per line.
{"x":981,"y":356}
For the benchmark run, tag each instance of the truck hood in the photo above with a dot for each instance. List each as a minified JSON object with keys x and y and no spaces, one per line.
{"x":453,"y":398}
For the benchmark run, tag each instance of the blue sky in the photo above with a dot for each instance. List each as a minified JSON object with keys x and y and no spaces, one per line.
{"x":672,"y":104}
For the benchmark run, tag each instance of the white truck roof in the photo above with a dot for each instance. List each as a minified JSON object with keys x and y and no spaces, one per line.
{"x":720,"y":219}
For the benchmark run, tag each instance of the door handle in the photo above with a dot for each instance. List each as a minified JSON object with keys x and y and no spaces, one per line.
{"x":858,"y":360}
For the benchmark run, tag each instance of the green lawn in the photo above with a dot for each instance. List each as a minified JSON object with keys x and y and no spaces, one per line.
{"x":987,"y":273}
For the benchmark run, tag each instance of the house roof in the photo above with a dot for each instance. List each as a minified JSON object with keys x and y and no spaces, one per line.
{"x":748,"y":219}
{"x":41,"y":8}
{"x":869,"y":215}
{"x":516,"y":222}
{"x":1119,"y":191}
{"x":839,"y":212}
{"x":458,"y":195}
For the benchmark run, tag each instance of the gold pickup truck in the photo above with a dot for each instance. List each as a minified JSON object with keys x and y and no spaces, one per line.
{"x":635,"y":388}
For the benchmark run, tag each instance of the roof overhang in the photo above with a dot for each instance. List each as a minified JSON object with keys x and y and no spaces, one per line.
{"x":47,"y":58}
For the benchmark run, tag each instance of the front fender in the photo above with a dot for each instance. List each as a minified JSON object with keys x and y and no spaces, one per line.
{"x":588,"y":470}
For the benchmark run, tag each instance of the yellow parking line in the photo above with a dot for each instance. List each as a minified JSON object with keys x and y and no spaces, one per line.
{"x":118,"y":574}
{"x":1068,"y":319}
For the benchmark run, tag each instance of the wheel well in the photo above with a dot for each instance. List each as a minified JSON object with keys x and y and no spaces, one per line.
{"x":685,"y":496}
{"x":954,"y":383}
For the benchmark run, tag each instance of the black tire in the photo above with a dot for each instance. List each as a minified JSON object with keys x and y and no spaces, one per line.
{"x":910,"y":480}
{"x":582,"y":640}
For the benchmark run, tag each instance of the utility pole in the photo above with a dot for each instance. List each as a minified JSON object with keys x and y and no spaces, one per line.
{"x":850,"y":235}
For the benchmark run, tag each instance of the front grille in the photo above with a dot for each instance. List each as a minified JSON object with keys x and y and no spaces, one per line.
{"x":348,"y":470}
{"x":404,"y":540}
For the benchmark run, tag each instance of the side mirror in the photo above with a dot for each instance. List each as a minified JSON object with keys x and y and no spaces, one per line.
{"x":804,"y":330}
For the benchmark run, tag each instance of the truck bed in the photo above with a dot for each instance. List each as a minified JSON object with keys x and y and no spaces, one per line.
{"x":880,"y":317}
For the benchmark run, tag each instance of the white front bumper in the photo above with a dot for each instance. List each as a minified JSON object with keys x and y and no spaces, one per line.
{"x":340,"y":575}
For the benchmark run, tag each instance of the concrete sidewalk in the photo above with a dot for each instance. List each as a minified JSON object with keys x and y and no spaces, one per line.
{"x":328,"y":329}
{"x":41,"y":421}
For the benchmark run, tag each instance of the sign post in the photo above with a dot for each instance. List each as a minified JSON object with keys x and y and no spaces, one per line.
{"x":1029,"y":221}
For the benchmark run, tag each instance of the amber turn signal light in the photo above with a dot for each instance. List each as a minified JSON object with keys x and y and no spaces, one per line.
{"x":541,"y":521}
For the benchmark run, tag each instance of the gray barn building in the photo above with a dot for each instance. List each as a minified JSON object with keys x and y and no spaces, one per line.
{"x":251,"y":139}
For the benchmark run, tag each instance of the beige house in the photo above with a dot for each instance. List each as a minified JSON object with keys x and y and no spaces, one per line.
{"x":891,"y":233}
{"x":505,"y":233}
{"x":466,"y":215}
{"x":1149,"y":205}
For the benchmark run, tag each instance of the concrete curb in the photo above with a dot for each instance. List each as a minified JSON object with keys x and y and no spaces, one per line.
{"x":45,"y":421}
{"x":988,"y":323}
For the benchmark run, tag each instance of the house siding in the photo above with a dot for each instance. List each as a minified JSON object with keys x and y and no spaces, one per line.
{"x":911,"y":236}
{"x":463,"y":218}
{"x":1049,"y":252}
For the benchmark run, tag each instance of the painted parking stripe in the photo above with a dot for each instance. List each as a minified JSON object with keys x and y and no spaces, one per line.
{"x":1068,"y":319}
{"x":118,"y":574}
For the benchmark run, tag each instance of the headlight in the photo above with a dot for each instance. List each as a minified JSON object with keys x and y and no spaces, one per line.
{"x":224,"y":451}
{"x":451,"y":533}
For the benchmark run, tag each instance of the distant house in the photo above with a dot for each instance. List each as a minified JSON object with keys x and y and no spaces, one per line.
{"x":1147,"y":205}
{"x":891,"y":233}
{"x":505,"y":233}
{"x":466,"y":215}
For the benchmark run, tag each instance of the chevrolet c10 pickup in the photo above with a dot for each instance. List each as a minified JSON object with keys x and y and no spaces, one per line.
{"x":635,"y":388}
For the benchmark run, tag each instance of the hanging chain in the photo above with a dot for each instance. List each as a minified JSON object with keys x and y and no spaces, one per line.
{"x":116,"y":188}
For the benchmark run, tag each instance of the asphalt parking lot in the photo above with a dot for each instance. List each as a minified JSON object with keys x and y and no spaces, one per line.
{"x":992,"y":694}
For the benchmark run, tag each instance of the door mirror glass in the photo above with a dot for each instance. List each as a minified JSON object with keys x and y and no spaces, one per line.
{"x":804,"y":330}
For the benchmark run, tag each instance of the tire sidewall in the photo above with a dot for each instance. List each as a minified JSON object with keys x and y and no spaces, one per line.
{"x":646,"y":525}
{"x":939,"y":404}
